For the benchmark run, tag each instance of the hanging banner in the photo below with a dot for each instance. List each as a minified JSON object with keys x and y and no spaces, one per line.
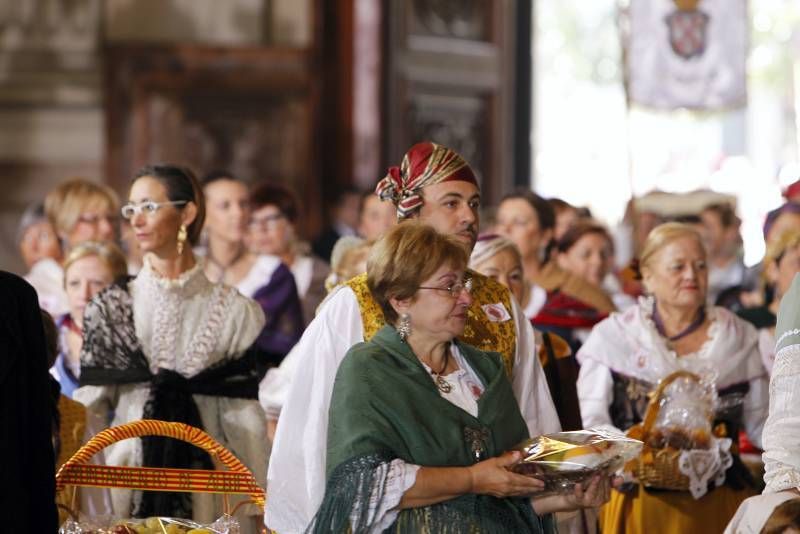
{"x":687,"y":53}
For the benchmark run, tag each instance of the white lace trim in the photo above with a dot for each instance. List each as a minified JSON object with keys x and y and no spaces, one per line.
{"x":787,"y":361}
{"x":204,"y":342}
{"x":399,"y":477}
{"x":781,"y":436}
{"x":188,"y":283}
{"x":646,"y":307}
{"x":783,"y":480}
{"x":792,"y":332}
{"x":703,"y":465}
{"x":168,"y":297}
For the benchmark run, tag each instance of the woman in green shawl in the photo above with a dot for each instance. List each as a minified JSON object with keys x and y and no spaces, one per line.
{"x":419,"y":422}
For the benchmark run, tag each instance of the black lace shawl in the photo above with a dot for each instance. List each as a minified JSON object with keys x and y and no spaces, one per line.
{"x":112,"y":355}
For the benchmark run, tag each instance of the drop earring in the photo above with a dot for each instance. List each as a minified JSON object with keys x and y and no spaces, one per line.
{"x":404,"y":326}
{"x":182,"y":235}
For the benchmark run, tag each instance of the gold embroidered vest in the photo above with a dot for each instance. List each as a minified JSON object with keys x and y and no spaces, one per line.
{"x":481,"y":332}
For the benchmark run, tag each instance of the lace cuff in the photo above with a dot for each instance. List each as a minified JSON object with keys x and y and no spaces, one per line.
{"x":782,"y":479}
{"x":782,"y":430}
{"x":398,"y":476}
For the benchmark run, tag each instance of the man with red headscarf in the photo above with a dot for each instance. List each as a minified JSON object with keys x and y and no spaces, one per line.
{"x":436,"y":186}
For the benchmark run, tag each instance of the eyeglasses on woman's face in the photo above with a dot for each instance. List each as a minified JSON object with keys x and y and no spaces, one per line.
{"x":265,"y":222}
{"x":130,"y":210}
{"x":94,"y":219}
{"x":455,"y":288}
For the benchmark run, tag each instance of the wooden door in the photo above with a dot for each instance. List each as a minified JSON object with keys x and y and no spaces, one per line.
{"x":252,"y":111}
{"x":451,"y":79}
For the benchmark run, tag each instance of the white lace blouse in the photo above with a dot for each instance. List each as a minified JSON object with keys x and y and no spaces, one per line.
{"x":782,"y":431}
{"x":628,"y":343}
{"x":186,"y":325}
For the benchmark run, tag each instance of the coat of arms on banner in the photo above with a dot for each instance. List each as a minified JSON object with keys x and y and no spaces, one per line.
{"x":687,"y":29}
{"x":687,"y":53}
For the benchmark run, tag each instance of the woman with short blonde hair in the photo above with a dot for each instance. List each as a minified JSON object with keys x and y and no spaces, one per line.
{"x":498,"y":258}
{"x":348,"y":259}
{"x":81,"y":210}
{"x":89,"y":268}
{"x":109,"y":253}
{"x":673,"y":329}
{"x":661,"y":236}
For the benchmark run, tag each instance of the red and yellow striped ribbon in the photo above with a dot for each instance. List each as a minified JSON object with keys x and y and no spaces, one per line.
{"x":237,"y":480}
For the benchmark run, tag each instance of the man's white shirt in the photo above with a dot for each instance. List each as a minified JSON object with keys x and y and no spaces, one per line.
{"x":300,"y":392}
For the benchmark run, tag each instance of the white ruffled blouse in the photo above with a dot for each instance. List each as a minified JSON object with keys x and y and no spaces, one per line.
{"x":186,"y":325}
{"x":629,"y":344}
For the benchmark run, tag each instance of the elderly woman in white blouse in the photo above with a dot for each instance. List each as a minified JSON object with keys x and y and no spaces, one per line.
{"x":173,"y":346}
{"x":672,"y":329}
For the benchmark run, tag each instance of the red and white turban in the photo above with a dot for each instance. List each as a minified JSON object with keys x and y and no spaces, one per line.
{"x":424,"y":164}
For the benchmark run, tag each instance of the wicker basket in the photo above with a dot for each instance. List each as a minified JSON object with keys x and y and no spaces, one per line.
{"x":236,"y":480}
{"x":658,"y":468}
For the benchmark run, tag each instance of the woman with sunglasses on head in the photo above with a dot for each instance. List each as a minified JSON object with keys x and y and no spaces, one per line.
{"x":173,"y":346}
{"x":262,"y":277}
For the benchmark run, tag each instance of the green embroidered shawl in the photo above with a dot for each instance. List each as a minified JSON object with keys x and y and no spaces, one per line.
{"x":385,"y":406}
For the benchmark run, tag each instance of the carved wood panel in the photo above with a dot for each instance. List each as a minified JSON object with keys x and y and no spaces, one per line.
{"x":251,"y":111}
{"x":450,"y":79}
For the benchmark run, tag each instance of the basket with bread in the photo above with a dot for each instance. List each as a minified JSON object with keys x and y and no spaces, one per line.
{"x":681,"y":451}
